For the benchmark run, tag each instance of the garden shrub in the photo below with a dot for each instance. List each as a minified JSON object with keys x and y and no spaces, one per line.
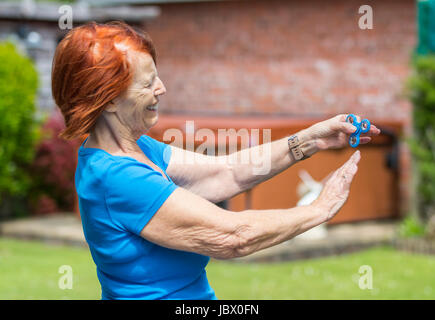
{"x":53,"y":169}
{"x":18,"y":127}
{"x":422,"y":144}
{"x":411,"y":227}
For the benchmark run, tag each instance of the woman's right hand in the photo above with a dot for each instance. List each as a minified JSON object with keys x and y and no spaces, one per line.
{"x":337,"y":187}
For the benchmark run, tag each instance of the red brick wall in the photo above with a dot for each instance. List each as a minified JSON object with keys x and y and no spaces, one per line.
{"x":293,"y":58}
{"x":302,"y":58}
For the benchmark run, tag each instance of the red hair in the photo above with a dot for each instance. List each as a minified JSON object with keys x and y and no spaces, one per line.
{"x":90,"y":70}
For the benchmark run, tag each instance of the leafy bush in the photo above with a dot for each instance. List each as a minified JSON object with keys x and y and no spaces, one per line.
{"x":53,"y":169}
{"x":411,"y":227}
{"x":18,"y":127}
{"x":422,"y":94}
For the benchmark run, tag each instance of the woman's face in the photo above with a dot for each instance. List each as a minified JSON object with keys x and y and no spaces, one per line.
{"x":137,"y":107}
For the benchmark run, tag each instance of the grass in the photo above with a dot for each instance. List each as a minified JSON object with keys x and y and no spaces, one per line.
{"x":29,"y":270}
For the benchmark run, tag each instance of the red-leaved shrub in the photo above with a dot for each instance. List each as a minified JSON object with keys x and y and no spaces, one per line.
{"x":53,"y":169}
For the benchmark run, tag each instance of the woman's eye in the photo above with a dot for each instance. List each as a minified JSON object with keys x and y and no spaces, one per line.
{"x":149,"y":85}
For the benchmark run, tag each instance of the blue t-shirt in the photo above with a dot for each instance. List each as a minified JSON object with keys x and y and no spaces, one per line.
{"x":118,"y":195}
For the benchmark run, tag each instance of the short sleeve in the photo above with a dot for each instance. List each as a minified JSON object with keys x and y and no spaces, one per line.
{"x":159,"y":152}
{"x":134,"y":193}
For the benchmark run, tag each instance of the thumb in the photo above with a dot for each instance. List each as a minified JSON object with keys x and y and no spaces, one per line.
{"x":345,"y":127}
{"x":349,"y":169}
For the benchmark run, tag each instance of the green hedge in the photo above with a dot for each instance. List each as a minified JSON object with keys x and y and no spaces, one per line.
{"x":422,"y":144}
{"x":18,"y":128}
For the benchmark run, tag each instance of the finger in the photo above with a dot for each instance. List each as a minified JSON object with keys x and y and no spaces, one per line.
{"x":352,"y":165}
{"x":374,"y":131}
{"x":355,"y":158}
{"x":353,"y":161}
{"x":341,"y":117}
{"x":350,"y":171}
{"x":325,"y":179}
{"x":358,"y":118}
{"x":347,"y":171}
{"x":344,"y":127}
{"x":364,"y":140}
{"x":347,"y":174}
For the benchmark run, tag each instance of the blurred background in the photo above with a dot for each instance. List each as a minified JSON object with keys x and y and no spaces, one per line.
{"x":279,"y":65}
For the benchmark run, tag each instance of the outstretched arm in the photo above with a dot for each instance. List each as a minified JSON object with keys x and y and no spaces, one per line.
{"x":190,"y":223}
{"x":218,"y":178}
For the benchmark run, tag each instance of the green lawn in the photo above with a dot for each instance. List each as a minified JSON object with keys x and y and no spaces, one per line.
{"x":29,"y":270}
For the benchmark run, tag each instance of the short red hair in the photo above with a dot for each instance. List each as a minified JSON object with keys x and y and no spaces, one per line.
{"x":89,"y":71}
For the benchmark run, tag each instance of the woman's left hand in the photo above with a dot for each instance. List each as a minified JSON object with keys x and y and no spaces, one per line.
{"x":334,"y":133}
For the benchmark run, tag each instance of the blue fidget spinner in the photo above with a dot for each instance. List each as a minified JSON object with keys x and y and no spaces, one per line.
{"x":361,"y":127}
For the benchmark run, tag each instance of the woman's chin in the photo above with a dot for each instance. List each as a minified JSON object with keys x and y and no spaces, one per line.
{"x":151,"y":121}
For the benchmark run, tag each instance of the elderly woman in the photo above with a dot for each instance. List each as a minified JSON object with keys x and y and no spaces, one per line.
{"x":148,"y":217}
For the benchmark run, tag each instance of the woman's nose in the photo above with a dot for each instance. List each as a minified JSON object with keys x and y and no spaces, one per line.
{"x":160,"y":88}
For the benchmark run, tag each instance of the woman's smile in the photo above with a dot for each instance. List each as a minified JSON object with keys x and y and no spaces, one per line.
{"x":153,"y":108}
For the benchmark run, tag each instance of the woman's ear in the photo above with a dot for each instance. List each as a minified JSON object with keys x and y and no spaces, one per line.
{"x":110,"y":107}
